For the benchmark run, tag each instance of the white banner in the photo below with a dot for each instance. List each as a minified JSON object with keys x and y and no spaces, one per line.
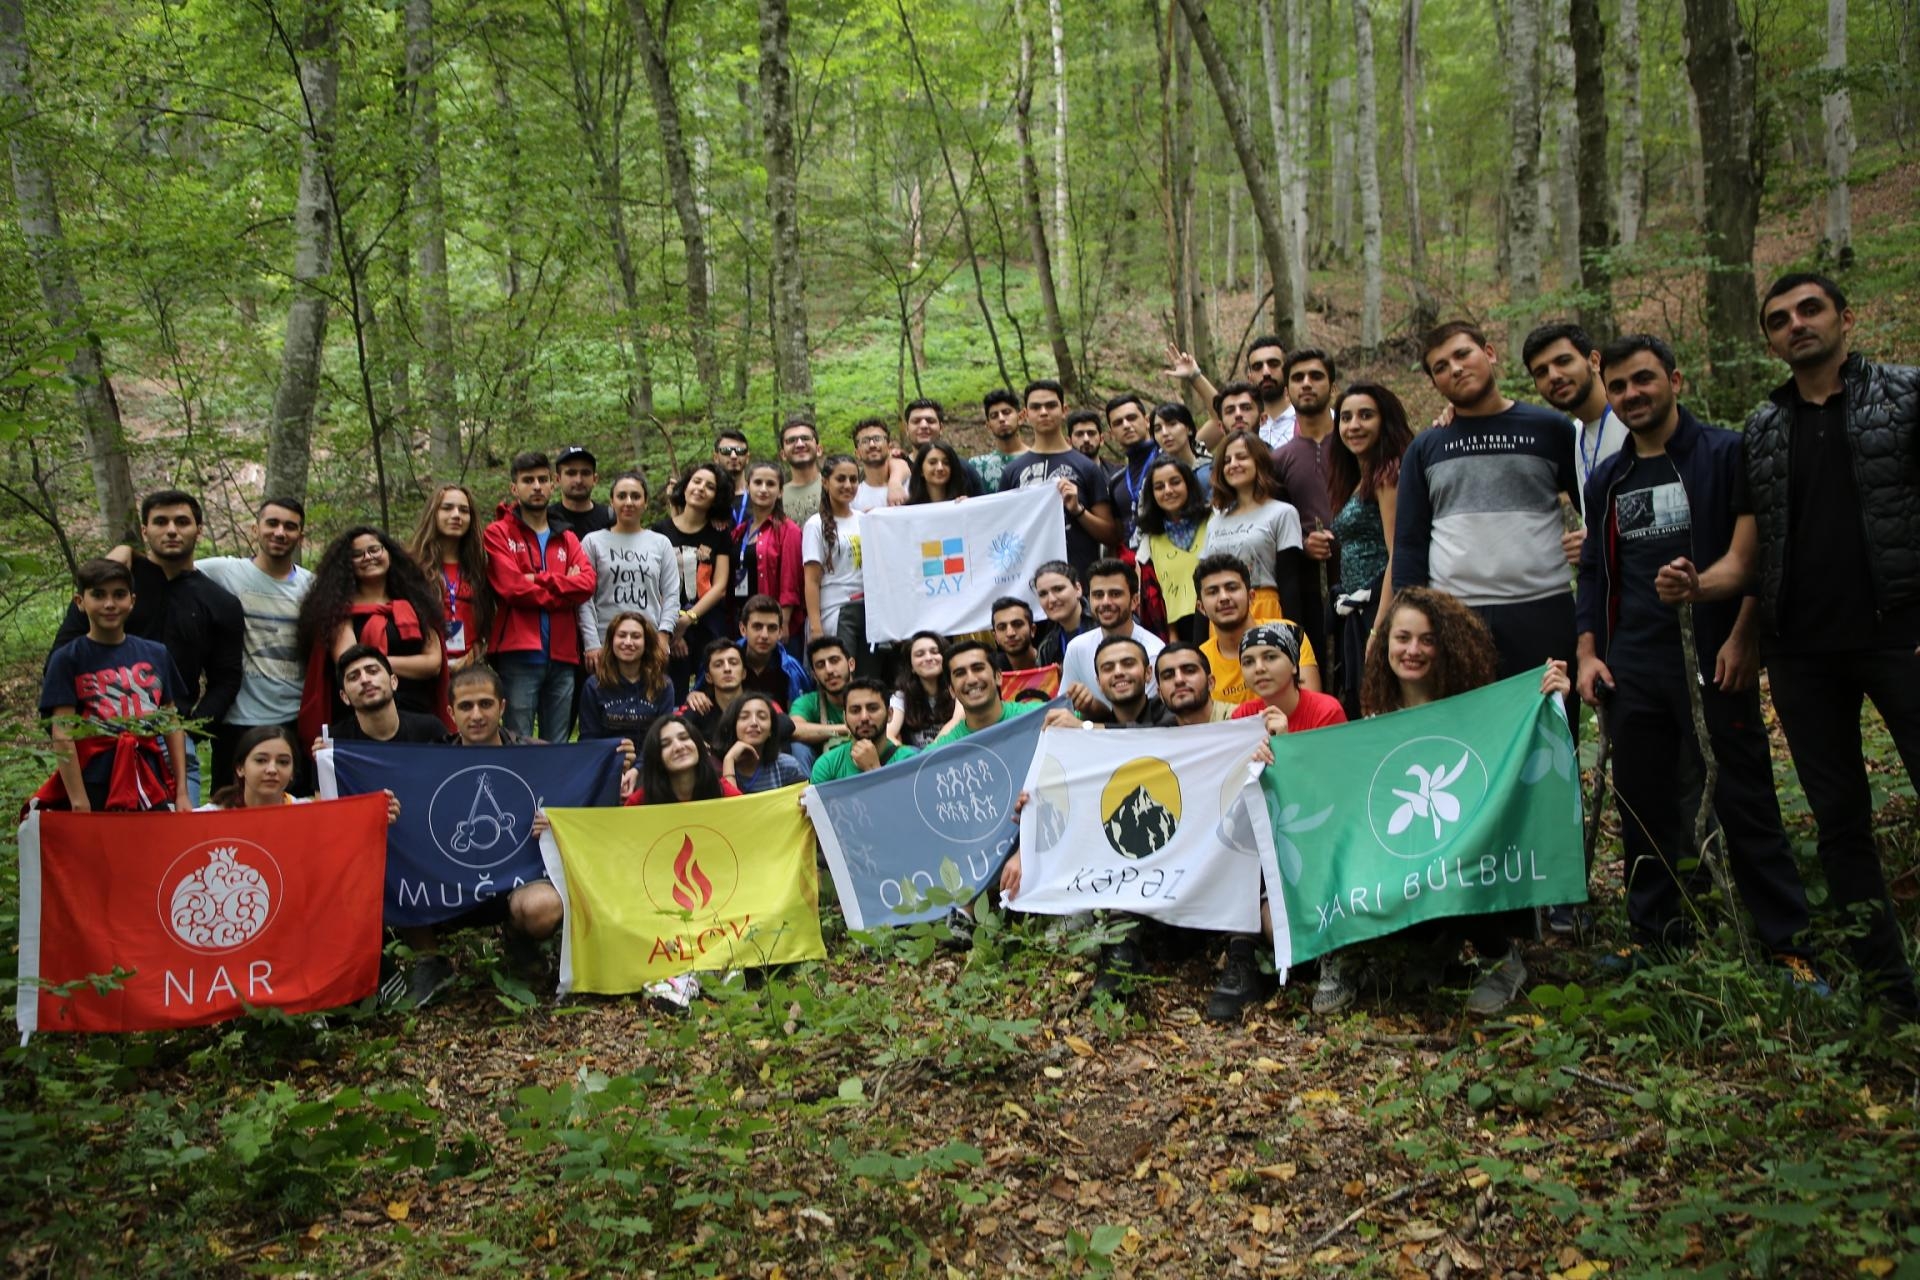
{"x":1167,"y":823}
{"x":940,"y":566}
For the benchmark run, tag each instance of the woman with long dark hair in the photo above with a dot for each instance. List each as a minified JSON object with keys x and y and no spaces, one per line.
{"x":1169,"y":540}
{"x":629,"y":687}
{"x":699,"y":529}
{"x":263,"y":769}
{"x":675,"y":766}
{"x":635,"y":569}
{"x":368,"y":590}
{"x":766,"y":547}
{"x":1252,"y":523}
{"x":1174,"y":436}
{"x":446,"y":545}
{"x":752,"y":746}
{"x":1364,"y":486}
{"x":939,"y":474}
{"x":830,"y":550}
{"x":922,"y":706}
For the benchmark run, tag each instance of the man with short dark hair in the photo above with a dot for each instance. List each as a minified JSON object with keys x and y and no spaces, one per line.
{"x":975,"y":686}
{"x":1826,"y":534}
{"x":1185,"y":678}
{"x":1259,"y":404}
{"x":1085,"y":433}
{"x":1052,"y":461}
{"x":722,"y":676}
{"x":577,"y":511}
{"x":1305,"y":467}
{"x":1565,"y":365}
{"x":1121,"y":666}
{"x":866,"y":746}
{"x":873,"y":450}
{"x":800,"y":450}
{"x":270,"y":586}
{"x":367,"y":685}
{"x":731,"y":453}
{"x":767,"y":667}
{"x":1002,"y":410}
{"x":1131,"y":429}
{"x":819,"y":715}
{"x":921,"y":422}
{"x":1225,"y":595}
{"x":539,"y":578}
{"x":1113,"y":587}
{"x":1057,"y":586}
{"x":1012,"y":622}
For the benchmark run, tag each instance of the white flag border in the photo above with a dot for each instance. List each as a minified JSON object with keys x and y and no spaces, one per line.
{"x":27,"y":1007}
{"x":872,"y":525}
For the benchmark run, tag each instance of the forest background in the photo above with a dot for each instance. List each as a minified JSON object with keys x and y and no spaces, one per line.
{"x":344,"y":248}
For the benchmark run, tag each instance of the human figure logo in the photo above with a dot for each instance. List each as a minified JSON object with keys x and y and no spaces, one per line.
{"x":1422,"y":793}
{"x":480,"y":817}
{"x":964,"y":792}
{"x":225,"y":898}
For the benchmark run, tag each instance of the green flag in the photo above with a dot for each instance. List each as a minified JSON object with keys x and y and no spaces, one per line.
{"x":1459,"y":807}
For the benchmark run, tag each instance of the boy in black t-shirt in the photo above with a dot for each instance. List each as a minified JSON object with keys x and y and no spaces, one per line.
{"x":367,"y":684}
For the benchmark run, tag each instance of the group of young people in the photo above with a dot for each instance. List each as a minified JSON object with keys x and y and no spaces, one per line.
{"x":1281,"y":546}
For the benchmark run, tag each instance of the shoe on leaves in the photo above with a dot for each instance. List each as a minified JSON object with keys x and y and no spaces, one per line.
{"x":1499,"y":985}
{"x":1240,"y":983}
{"x":1119,"y":963}
{"x":1338,"y":987}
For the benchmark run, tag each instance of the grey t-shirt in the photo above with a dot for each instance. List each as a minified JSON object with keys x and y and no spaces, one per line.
{"x":631,"y":571}
{"x":271,"y":670}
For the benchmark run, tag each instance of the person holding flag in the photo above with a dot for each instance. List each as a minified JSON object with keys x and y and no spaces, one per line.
{"x":263,"y":770}
{"x":867,"y":746}
{"x":1270,"y":657}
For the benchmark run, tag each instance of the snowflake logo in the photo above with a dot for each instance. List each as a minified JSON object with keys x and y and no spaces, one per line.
{"x":1007,"y":550}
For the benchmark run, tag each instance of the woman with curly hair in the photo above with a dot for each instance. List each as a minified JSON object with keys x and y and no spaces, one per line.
{"x":922,"y":706}
{"x":1251,"y":522}
{"x":1169,"y":540}
{"x":1363,"y":487}
{"x":447,"y":544}
{"x":1435,"y":647}
{"x":368,"y":590}
{"x":939,"y":474}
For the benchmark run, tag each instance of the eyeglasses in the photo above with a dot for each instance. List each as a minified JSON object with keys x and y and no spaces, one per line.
{"x":731,"y":450}
{"x":368,"y":553}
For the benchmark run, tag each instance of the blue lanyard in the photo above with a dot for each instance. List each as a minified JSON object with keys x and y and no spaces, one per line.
{"x":1135,"y":481}
{"x":1590,"y":461}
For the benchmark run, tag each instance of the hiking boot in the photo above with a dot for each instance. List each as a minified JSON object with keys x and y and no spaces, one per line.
{"x":1119,"y":963}
{"x":1240,"y":982}
{"x":1337,"y":987}
{"x":1566,"y":921}
{"x":1625,"y":962}
{"x":675,"y":994}
{"x":415,"y":986}
{"x":1499,"y":985}
{"x":959,"y":930}
{"x":1804,"y":976}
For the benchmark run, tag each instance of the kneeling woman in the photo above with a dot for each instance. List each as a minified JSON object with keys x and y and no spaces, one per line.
{"x":675,"y":766}
{"x":752,"y":748}
{"x":1436,"y":647}
{"x":263,"y":769}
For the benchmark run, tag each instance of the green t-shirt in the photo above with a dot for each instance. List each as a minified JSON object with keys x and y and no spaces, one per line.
{"x":807,"y":707}
{"x":1008,"y":710}
{"x":838,"y":762}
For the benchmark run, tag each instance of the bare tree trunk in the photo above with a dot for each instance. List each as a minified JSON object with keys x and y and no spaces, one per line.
{"x":1720,"y":64}
{"x":1171,"y":39}
{"x":1185,"y":162}
{"x":1566,"y":143}
{"x":1523,"y":158}
{"x":1292,"y":288}
{"x":430,"y":238}
{"x":1424,"y":310}
{"x":1633,"y":155}
{"x":38,"y":208}
{"x":1339,"y":179}
{"x":1595,"y":240}
{"x":1030,"y":198}
{"x":1232,"y":280}
{"x":1696,"y":141}
{"x":743,"y":352}
{"x":1837,"y":107}
{"x":1059,"y":138}
{"x":789,"y":291}
{"x":1368,"y":129}
{"x":686,"y":201}
{"x":289,"y":434}
{"x":1288,"y":161}
{"x":1234,"y":108}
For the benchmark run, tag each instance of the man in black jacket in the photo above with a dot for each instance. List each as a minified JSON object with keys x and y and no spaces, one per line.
{"x":198,"y":620}
{"x":1666,"y":494}
{"x":1833,"y":546}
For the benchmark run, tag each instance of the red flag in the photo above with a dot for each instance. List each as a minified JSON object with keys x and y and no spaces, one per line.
{"x":1044,"y":681}
{"x":211,"y":913}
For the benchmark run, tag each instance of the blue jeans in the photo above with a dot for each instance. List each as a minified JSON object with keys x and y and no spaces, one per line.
{"x":536,"y":686}
{"x":193,"y":772}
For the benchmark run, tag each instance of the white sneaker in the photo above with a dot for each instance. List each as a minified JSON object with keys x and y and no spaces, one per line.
{"x":1499,"y":985}
{"x":1337,"y":988}
{"x":675,"y":994}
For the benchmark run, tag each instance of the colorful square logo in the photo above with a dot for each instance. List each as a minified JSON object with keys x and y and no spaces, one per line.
{"x":940,"y":557}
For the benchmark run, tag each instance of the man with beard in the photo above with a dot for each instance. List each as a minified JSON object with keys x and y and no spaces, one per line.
{"x":1669,"y":494}
{"x":1271,"y":414}
{"x":270,"y":585}
{"x":1186,"y":685}
{"x":1225,"y":598}
{"x":819,"y":715}
{"x":1002,"y":409}
{"x":576,"y":509}
{"x":1565,"y":365}
{"x":1120,"y":664}
{"x":1835,"y":518}
{"x":1113,"y":586}
{"x":800,"y":450}
{"x":367,"y":684}
{"x":867,"y":746}
{"x":1085,"y":434}
{"x":197,"y":620}
{"x":1012,"y":622}
{"x":1304,"y":465}
{"x":872,"y":449}
{"x":539,"y":577}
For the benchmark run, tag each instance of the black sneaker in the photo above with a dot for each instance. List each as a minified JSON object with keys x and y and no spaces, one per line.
{"x":1119,"y":962}
{"x":416,"y":986}
{"x":1566,"y":921}
{"x":1240,"y":985}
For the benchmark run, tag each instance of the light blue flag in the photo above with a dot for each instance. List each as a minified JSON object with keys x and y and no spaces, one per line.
{"x":464,"y":835}
{"x":943,"y":818}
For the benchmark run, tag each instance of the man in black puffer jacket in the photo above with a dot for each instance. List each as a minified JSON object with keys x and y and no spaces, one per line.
{"x":1833,"y":545}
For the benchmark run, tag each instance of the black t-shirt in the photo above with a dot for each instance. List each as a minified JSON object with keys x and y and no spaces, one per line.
{"x":582,"y":523}
{"x":1826,"y":602}
{"x":1090,"y":485}
{"x":415,"y":726}
{"x":1654,"y":524}
{"x":699,"y":553}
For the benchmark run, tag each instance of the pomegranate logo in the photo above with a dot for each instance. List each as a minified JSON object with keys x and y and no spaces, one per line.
{"x":220,"y":895}
{"x":691,"y":869}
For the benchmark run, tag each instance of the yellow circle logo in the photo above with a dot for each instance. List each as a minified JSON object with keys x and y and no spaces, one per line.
{"x":1140,"y":806}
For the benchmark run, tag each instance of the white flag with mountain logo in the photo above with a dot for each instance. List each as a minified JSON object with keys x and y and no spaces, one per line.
{"x":941,"y":565}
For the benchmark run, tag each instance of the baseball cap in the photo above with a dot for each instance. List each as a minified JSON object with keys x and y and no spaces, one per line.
{"x":573,"y":451}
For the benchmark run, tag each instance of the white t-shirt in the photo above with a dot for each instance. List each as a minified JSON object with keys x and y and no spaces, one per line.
{"x":1593,"y":444}
{"x":1256,"y":536}
{"x":1077,"y":664}
{"x":839,"y":580}
{"x":1278,"y":429}
{"x":272,"y":669}
{"x":869,"y":497}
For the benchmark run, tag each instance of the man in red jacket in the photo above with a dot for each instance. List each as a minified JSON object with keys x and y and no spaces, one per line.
{"x":539,"y":577}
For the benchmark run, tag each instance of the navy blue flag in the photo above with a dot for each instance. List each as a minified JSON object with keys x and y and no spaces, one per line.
{"x":464,"y":836}
{"x":942,"y":818}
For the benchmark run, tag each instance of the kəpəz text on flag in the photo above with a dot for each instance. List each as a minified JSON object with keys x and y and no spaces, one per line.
{"x":1164,"y":823}
{"x":660,"y":889}
{"x":465,"y":834}
{"x":940,"y":566}
{"x":207,"y":914}
{"x":942,"y":819}
{"x":1459,"y":807}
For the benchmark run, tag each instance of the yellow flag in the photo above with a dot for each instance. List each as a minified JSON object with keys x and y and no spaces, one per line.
{"x":661,"y":889}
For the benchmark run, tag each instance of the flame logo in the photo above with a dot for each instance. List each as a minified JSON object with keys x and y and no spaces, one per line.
{"x":691,"y":888}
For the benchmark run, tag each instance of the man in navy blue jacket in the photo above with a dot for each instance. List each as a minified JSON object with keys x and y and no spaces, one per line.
{"x":1670,"y":492}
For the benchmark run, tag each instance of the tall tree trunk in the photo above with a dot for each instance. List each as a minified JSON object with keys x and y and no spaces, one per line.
{"x":1292,"y":287}
{"x":686,"y":201}
{"x":1720,"y":64}
{"x":37,"y":206}
{"x":1367,"y":129}
{"x":1185,"y":163}
{"x":789,"y":291}
{"x":1232,"y":280}
{"x":289,"y":434}
{"x":1596,"y":225}
{"x":748,"y":241}
{"x":1234,"y":108}
{"x":1837,"y":107}
{"x":430,"y":238}
{"x":1565,"y":173}
{"x":1030,"y":199}
{"x":1059,"y":138}
{"x":515,"y":380}
{"x":1339,"y":179}
{"x":1424,"y":310}
{"x":1523,"y":158}
{"x":1696,"y":169}
{"x":1633,"y":155}
{"x":1169,"y":39}
{"x":1289,"y":163}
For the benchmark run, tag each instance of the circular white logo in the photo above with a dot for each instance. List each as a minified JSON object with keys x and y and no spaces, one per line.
{"x":964,"y":792}
{"x":480,"y":815}
{"x":220,"y":895}
{"x":1422,"y":794}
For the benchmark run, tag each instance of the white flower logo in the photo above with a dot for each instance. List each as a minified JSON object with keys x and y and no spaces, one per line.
{"x":1424,"y":793}
{"x":1431,"y":800}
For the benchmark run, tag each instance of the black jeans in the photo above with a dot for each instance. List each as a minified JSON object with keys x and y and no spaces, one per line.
{"x":1818,"y":697}
{"x":1654,"y":749}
